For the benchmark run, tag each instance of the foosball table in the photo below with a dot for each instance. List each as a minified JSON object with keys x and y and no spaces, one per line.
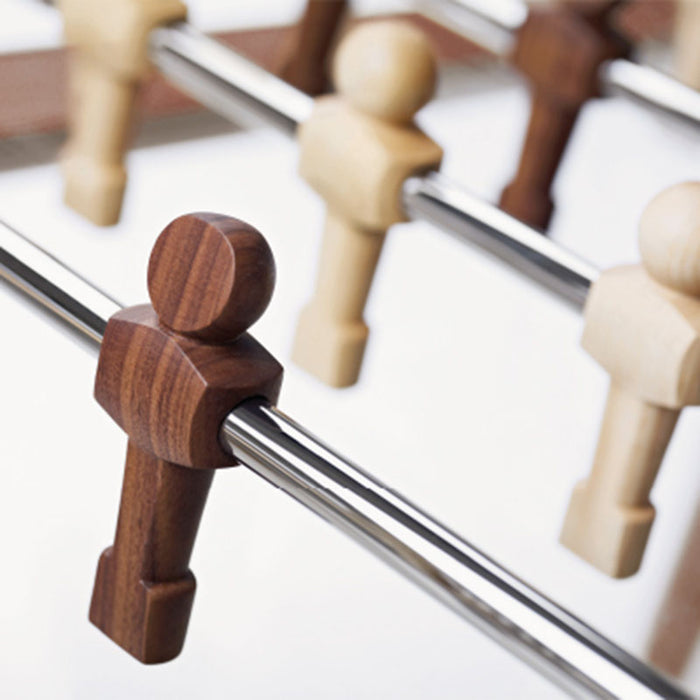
{"x":507,"y":195}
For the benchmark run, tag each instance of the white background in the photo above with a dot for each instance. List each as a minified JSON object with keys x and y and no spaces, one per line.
{"x":475,"y":401}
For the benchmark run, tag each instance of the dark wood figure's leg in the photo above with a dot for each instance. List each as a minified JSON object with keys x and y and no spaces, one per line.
{"x":559,"y":49}
{"x":528,"y":197}
{"x":305,"y":63}
{"x":144,"y":589}
{"x":678,"y":620}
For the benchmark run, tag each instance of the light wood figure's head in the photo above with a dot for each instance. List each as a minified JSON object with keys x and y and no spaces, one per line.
{"x":386,"y":69}
{"x":669,"y":238}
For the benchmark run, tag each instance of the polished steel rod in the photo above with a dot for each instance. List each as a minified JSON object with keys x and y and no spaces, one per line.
{"x":535,"y":629}
{"x":471,"y":219}
{"x":543,"y":635}
{"x":652,"y":89}
{"x":508,"y":15}
{"x":491,"y":24}
{"x":49,"y":282}
{"x":225,"y":81}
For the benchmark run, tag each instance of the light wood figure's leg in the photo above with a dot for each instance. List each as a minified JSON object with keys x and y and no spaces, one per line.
{"x":687,"y":42}
{"x":610,"y":516}
{"x":144,"y":589}
{"x":109,"y":59}
{"x":306,"y":64}
{"x":528,"y":196}
{"x":331,"y":335}
{"x":93,"y":160}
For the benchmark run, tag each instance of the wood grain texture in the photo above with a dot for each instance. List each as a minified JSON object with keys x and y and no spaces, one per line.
{"x":142,"y":361}
{"x":560,"y":49}
{"x":642,"y":325}
{"x":356,"y":150}
{"x":193,"y":251}
{"x":211,"y":276}
{"x":609,"y":516}
{"x":305,"y":58}
{"x":144,"y":589}
{"x":110,"y":42}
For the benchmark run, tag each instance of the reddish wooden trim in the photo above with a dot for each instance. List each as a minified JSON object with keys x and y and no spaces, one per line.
{"x":36,"y":81}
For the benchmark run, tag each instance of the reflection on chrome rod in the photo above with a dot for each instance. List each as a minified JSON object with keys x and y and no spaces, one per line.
{"x":471,"y":219}
{"x":652,"y":89}
{"x":223,"y":80}
{"x":545,"y":636}
{"x":49,"y":282}
{"x":536,"y":630}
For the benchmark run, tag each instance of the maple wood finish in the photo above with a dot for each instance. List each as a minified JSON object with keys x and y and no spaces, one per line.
{"x":642,"y":325}
{"x":305,"y":61}
{"x":110,"y":59}
{"x":687,"y":42}
{"x":169,"y":374}
{"x":357,"y":148}
{"x":560,"y":49}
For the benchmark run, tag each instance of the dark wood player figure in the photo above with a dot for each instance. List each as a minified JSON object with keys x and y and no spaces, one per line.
{"x":169,"y":374}
{"x":560,"y":49}
{"x":305,"y":60}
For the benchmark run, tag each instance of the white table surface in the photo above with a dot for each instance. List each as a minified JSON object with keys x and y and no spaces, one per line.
{"x":475,"y":401}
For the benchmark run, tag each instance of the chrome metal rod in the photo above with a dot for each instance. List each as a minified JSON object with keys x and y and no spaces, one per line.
{"x":48,"y":281}
{"x":508,"y":15}
{"x":471,"y":219}
{"x":535,"y":629}
{"x":643,"y":84}
{"x":532,"y":627}
{"x":224,"y":81}
{"x":492,"y":24}
{"x":651,"y":88}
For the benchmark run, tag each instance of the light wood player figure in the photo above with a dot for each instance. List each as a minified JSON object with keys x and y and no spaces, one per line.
{"x":357,"y":149}
{"x":109,"y":59}
{"x":642,"y":324}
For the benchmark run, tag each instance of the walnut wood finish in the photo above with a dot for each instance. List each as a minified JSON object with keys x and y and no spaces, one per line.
{"x":144,"y":589}
{"x":305,"y":61}
{"x":169,"y":374}
{"x":642,"y":325}
{"x":560,"y":49}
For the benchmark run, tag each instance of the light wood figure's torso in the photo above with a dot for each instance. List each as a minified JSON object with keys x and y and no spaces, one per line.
{"x":647,"y":337}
